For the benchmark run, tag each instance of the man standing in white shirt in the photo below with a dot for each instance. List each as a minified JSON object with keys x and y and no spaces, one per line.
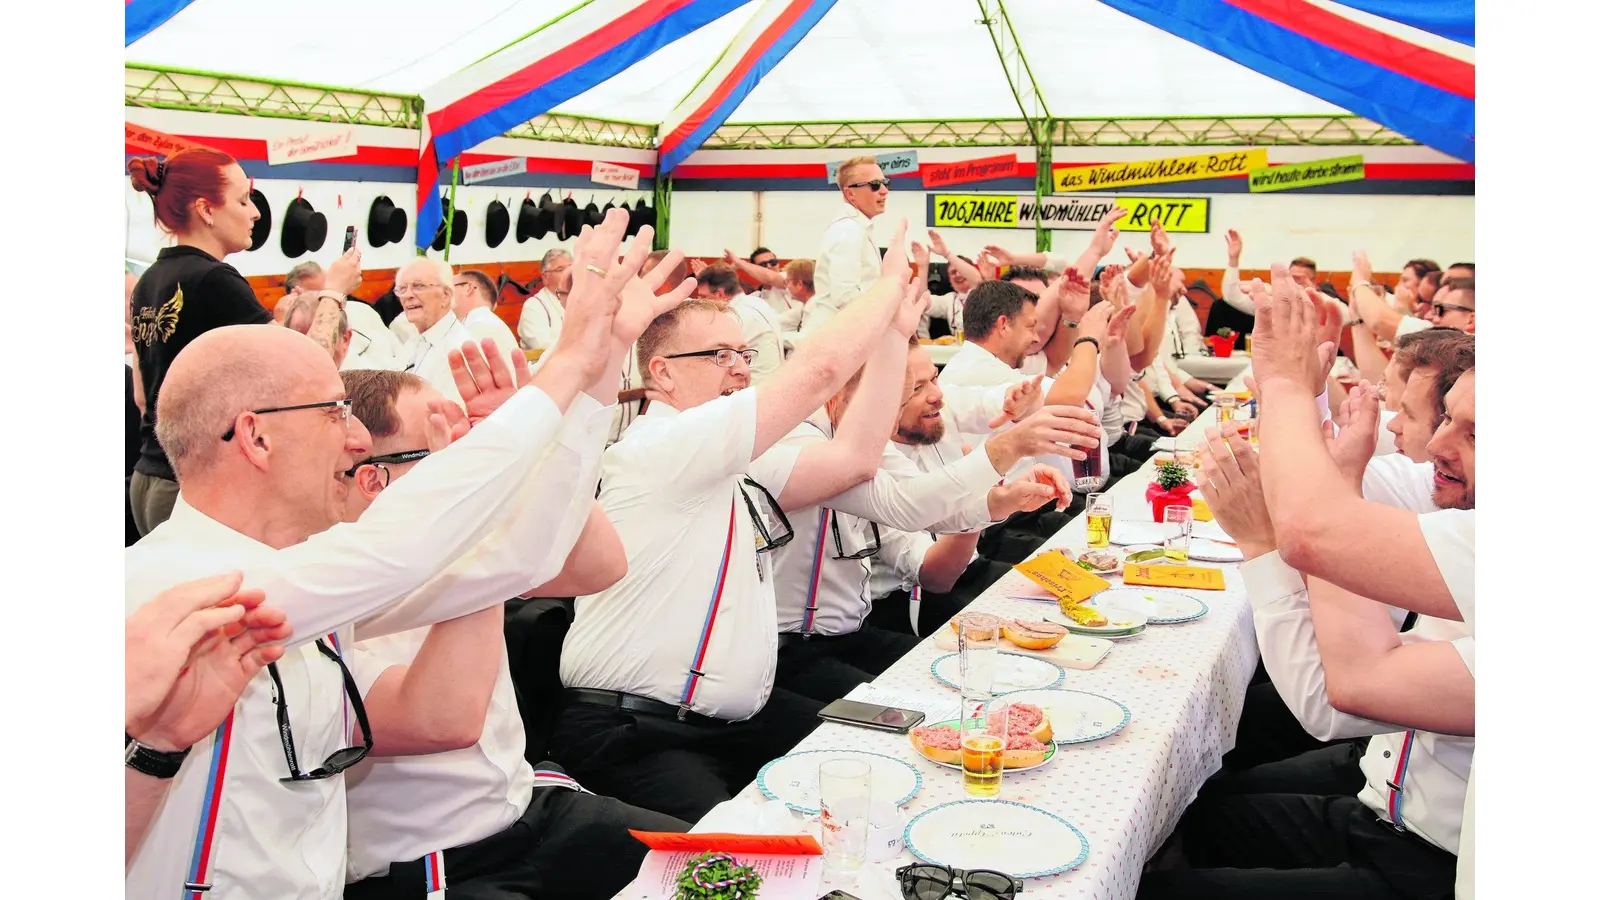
{"x":475,"y":302}
{"x":542,"y":314}
{"x":257,"y":423}
{"x":426,"y":288}
{"x":670,"y":701}
{"x":849,"y":260}
{"x":719,"y":284}
{"x":474,"y":812}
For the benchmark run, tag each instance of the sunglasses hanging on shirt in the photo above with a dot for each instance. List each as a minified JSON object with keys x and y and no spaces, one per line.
{"x":771,"y":525}
{"x":340,"y":759}
{"x":870,"y":550}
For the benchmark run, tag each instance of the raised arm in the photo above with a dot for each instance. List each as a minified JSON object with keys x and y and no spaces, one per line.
{"x":828,"y":355}
{"x":439,"y":701}
{"x":759,"y":274}
{"x":597,"y":561}
{"x":1231,"y":294}
{"x":956,"y":263}
{"x":1372,"y":673}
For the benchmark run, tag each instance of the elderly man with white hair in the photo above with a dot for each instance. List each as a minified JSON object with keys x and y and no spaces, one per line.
{"x":426,"y":288}
{"x":542,"y":315}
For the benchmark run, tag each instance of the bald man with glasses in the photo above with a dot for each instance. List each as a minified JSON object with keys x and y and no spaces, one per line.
{"x":849,"y":261}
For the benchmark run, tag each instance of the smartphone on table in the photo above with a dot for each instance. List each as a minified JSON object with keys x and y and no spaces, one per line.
{"x":871,"y":715}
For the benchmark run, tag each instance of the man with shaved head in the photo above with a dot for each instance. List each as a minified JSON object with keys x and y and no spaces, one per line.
{"x":257,"y":423}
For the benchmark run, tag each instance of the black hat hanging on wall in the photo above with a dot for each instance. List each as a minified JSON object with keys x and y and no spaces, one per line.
{"x":528,"y":220}
{"x":592,"y":216}
{"x":497,"y":223}
{"x":303,"y":229}
{"x":571,"y":219}
{"x":262,"y":229}
{"x":386,"y":223}
{"x":458,"y":227}
{"x":551,"y":217}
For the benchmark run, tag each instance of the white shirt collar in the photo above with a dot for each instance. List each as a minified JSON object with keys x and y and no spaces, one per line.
{"x":440,"y":328}
{"x":846,"y":211}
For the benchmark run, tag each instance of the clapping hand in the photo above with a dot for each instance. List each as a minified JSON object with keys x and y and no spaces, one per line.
{"x":640,"y":303}
{"x":1113,"y":286}
{"x":938,"y":244}
{"x":999,"y":256}
{"x":1073,"y":289}
{"x":1022,"y":399}
{"x":896,"y":265}
{"x":485,"y":378}
{"x":1284,"y":345}
{"x":1360,"y":268}
{"x":1232,"y":473}
{"x":1106,"y":233}
{"x":1117,"y":329}
{"x":1160,"y":242}
{"x":1353,"y":445}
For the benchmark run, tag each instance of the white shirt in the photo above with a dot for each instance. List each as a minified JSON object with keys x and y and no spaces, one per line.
{"x":900,"y":495}
{"x":540,"y":323}
{"x":403,"y":331}
{"x":1464,"y":859}
{"x":670,"y":486}
{"x":975,"y":366}
{"x":761,"y":333}
{"x":778,"y":298}
{"x":899,"y":564}
{"x":1410,"y":324}
{"x":1180,"y":339}
{"x":372,"y":346}
{"x":404,"y":807}
{"x":1435,"y":777}
{"x":484,"y":325}
{"x":1394,"y":480}
{"x":288,"y":841}
{"x":949,"y":307}
{"x":428,"y":355}
{"x":1232,"y":295}
{"x":847,"y":265}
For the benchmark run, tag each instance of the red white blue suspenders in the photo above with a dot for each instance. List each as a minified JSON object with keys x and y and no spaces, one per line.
{"x":1397,"y":783}
{"x":808,"y":618}
{"x":695,"y":670}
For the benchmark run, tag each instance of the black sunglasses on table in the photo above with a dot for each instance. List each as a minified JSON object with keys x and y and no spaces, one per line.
{"x":873,"y":185}
{"x":930,"y":882}
{"x":340,"y":759}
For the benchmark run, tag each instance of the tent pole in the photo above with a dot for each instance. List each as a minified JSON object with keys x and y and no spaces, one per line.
{"x":663,"y":204}
{"x":450,"y":217}
{"x":1043,"y":183}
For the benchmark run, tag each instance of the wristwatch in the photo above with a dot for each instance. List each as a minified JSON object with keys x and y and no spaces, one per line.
{"x":155,"y":763}
{"x":1087,"y":340}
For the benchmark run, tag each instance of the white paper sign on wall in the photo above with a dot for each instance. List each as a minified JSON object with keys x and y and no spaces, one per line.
{"x":305,"y":146}
{"x":489,"y":171}
{"x":615,"y":176}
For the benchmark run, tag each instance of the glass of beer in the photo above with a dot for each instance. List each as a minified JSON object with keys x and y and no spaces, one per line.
{"x":958,"y":322}
{"x":1227,"y":405}
{"x":1179,"y":521}
{"x":983,"y":730}
{"x":1247,"y":345}
{"x":1098,"y":510}
{"x":846,"y":787}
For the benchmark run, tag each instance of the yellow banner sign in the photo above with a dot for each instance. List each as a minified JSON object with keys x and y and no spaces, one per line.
{"x":974,"y":211}
{"x":1188,"y":215}
{"x":1159,"y":171}
{"x":1071,"y":212}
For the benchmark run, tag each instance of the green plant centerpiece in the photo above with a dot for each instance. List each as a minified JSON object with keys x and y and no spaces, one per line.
{"x":1170,"y":488}
{"x":717,"y":876}
{"x":1221,"y":343}
{"x":1225,"y":332}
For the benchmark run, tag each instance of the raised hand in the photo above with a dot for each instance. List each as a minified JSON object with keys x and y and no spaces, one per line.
{"x":1232,"y":474}
{"x":190,"y":653}
{"x":1360,"y":267}
{"x":987,"y":266}
{"x":919,"y":256}
{"x":1113,"y":286}
{"x":896,"y":264}
{"x":1405,"y":297}
{"x":1159,"y":241}
{"x":1106,"y":233}
{"x":1353,"y":445}
{"x":1022,"y":399}
{"x":727,"y":257}
{"x":1095,"y":322}
{"x":1117,"y":328}
{"x":938,"y":244}
{"x":999,"y":256}
{"x":1161,"y":274}
{"x":913,"y":303}
{"x":583,"y":350}
{"x":697,"y":267}
{"x":344,"y":274}
{"x":1235,"y":247}
{"x":485,"y":378}
{"x":1074,"y":291}
{"x":1284,"y":344}
{"x":640,"y":304}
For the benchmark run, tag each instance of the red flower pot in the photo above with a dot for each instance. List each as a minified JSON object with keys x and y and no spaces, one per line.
{"x":1161,"y":498}
{"x":1222,"y":346}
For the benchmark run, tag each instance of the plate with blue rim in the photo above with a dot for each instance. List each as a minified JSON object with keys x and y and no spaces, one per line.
{"x":1160,"y":606}
{"x":1020,"y":840}
{"x":1076,"y":717}
{"x":1012,"y":672}
{"x":793,"y":780}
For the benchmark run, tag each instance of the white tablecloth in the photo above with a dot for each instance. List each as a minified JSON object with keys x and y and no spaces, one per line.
{"x":1184,"y":684}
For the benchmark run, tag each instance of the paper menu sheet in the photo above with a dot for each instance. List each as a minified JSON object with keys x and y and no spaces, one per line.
{"x":938,"y":707}
{"x":782,"y":877}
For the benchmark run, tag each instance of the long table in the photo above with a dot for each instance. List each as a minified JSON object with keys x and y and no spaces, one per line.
{"x":1184,"y":683}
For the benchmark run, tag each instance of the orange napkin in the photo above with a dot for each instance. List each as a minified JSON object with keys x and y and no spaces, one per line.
{"x":1063,"y":577}
{"x":782,"y":844}
{"x":1202,"y":512}
{"x":1194,"y":577}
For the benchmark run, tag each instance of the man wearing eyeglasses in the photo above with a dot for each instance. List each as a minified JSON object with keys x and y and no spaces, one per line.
{"x":447,"y":780}
{"x":426,"y":288}
{"x":849,"y":260}
{"x":719,"y":284}
{"x":542,"y":314}
{"x":257,"y":423}
{"x":669,"y":701}
{"x":475,"y":302}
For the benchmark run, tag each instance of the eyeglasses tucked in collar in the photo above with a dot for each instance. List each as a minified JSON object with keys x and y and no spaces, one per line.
{"x":874,"y":185}
{"x":723,"y":356}
{"x":341,"y":759}
{"x":385,"y":460}
{"x":342,"y":405}
{"x":866,"y":552}
{"x":772,"y":526}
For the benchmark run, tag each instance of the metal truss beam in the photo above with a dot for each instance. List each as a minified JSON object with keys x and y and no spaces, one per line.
{"x":1019,"y":75}
{"x":194,"y":91}
{"x":923,"y":133}
{"x":587,"y":130}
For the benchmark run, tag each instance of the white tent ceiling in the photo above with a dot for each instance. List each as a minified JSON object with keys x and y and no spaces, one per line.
{"x":867,"y":60}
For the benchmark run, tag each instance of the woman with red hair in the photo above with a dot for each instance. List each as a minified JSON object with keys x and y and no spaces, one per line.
{"x":201,"y":198}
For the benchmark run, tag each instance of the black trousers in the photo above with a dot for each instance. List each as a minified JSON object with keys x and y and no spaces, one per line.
{"x":1268,"y":731}
{"x":826,"y":667}
{"x":1137,"y":445}
{"x":568,"y":844}
{"x":678,"y":768}
{"x":893,"y":612}
{"x":1293,"y":829}
{"x":1013,"y":540}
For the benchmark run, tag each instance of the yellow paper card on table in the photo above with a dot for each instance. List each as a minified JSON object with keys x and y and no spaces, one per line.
{"x":1062,"y":576}
{"x":1193,"y":577}
{"x":1202,"y":511}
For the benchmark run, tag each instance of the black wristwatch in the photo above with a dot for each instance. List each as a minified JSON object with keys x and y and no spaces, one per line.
{"x":155,"y":763}
{"x":1087,"y":340}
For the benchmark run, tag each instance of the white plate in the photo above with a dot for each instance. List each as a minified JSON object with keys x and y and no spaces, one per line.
{"x":1020,"y":840}
{"x":792,"y":780}
{"x":1076,"y":717}
{"x":1012,"y":671}
{"x":1128,"y":533}
{"x":1049,"y":752}
{"x":1119,"y":617}
{"x":1061,"y":619}
{"x":1163,"y":607}
{"x":1207,"y":550}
